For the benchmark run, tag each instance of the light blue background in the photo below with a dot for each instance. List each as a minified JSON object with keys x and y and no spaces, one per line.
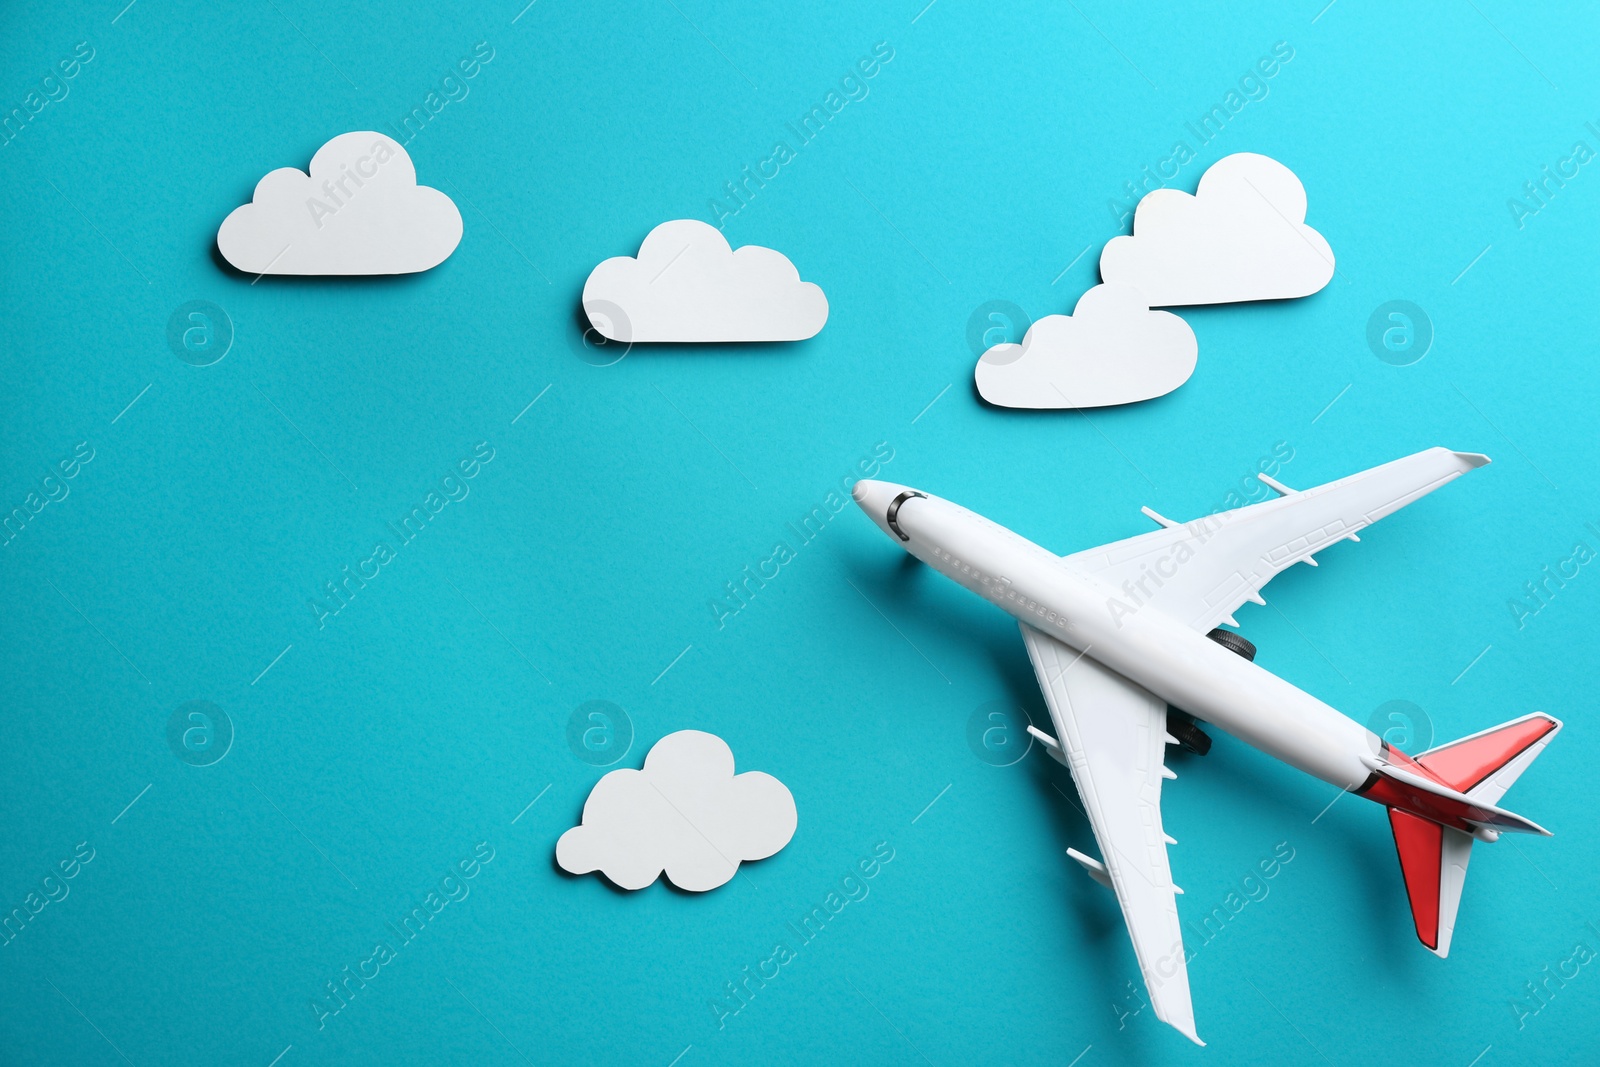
{"x":380,"y":749}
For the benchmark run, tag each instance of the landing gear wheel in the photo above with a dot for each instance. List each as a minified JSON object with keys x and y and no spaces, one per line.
{"x":1233,"y":643}
{"x":1190,"y":737}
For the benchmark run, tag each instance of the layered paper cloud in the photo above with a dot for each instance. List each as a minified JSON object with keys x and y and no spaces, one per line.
{"x":358,"y":211}
{"x":1242,"y":236}
{"x":1112,"y":349}
{"x":688,"y":284}
{"x":686,"y":813}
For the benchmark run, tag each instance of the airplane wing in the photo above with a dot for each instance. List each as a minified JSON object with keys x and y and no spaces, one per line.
{"x":1202,"y":571}
{"x":1113,"y":737}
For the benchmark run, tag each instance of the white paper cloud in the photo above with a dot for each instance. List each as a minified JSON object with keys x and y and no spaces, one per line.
{"x":688,"y":284}
{"x":1242,"y":236}
{"x":686,"y":813}
{"x":359,"y":211}
{"x":1112,"y":349}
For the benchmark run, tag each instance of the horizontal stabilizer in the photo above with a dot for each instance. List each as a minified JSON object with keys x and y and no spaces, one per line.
{"x":1443,"y":804}
{"x":1484,"y":765}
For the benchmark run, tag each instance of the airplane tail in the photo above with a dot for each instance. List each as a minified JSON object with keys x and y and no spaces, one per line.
{"x":1462,"y":782}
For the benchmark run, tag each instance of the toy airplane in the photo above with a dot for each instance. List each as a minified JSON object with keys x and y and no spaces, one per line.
{"x":1118,"y":633}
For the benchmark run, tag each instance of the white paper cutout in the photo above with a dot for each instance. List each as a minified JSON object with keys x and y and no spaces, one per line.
{"x":688,"y":284}
{"x":1242,"y":236}
{"x":686,"y":813}
{"x":1112,"y":349}
{"x":358,"y":211}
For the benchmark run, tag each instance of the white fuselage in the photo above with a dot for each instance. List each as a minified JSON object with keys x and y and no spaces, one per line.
{"x":1148,"y":647}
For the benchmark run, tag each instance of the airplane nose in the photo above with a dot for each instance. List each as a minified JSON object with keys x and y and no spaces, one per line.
{"x":874,"y":497}
{"x":877,"y":499}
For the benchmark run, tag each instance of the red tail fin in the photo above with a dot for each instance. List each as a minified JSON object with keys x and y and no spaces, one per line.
{"x":1433,"y":857}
